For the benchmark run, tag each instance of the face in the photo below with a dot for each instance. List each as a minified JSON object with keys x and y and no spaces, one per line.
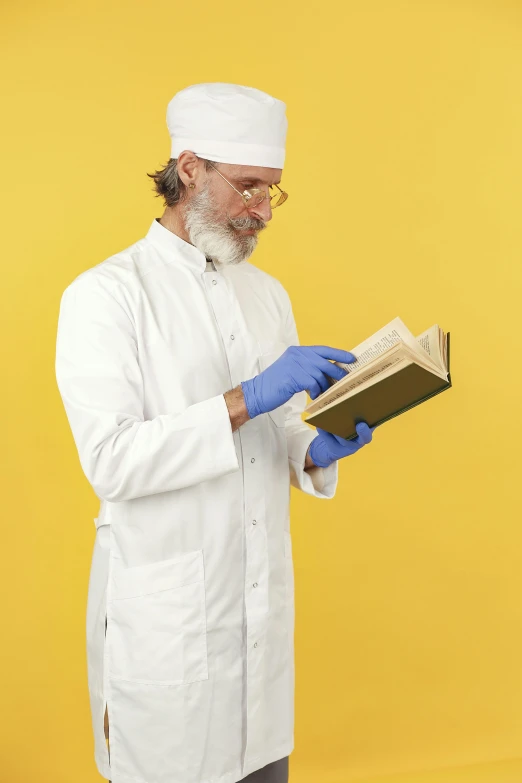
{"x":216,"y":218}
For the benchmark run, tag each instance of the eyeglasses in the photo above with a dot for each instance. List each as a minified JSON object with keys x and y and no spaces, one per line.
{"x":254,"y":196}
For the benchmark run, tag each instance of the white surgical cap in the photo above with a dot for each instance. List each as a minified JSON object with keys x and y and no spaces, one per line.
{"x":228,"y":123}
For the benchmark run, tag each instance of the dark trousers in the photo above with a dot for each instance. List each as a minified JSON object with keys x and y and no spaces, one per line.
{"x":275,"y":772}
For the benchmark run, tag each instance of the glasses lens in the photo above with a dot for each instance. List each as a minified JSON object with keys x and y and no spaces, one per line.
{"x":255,"y":198}
{"x":277,"y":199}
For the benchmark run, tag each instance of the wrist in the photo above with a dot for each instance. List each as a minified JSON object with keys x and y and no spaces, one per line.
{"x":249,"y":394}
{"x":309,"y":463}
{"x":237,"y":409}
{"x":318,"y":453}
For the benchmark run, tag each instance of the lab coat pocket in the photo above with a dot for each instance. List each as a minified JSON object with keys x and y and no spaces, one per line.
{"x":270,"y":351}
{"x":156,"y":622}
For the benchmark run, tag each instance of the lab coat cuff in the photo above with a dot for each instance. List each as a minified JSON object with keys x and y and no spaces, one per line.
{"x":316,"y":481}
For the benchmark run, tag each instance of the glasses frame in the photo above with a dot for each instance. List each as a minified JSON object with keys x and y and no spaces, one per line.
{"x":253,"y":191}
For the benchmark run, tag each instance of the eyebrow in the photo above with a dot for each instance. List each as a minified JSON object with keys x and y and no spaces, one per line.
{"x":253,"y":179}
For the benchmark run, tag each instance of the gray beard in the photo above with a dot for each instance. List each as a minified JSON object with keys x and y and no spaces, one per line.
{"x":215,"y":238}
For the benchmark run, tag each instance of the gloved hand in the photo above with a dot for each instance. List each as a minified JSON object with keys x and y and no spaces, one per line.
{"x":326,"y":448}
{"x":299,"y":368}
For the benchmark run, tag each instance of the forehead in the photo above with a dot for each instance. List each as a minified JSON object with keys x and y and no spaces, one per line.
{"x":258,"y":174}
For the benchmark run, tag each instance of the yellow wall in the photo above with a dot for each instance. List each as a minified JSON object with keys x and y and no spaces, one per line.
{"x":404,"y":168}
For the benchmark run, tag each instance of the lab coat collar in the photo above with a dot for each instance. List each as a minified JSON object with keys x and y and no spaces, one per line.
{"x":176,"y":247}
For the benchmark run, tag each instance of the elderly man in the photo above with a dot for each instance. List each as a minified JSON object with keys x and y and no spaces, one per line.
{"x":183,"y":381}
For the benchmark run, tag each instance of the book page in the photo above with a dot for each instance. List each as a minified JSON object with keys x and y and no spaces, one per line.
{"x":399,"y":363}
{"x":430,"y":340}
{"x":372,"y":371}
{"x":376,"y":372}
{"x":379,"y":342}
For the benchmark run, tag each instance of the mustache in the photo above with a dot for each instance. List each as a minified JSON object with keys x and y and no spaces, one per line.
{"x":247,"y":222}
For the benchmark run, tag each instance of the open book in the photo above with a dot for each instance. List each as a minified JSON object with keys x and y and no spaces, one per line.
{"x":393,"y":372}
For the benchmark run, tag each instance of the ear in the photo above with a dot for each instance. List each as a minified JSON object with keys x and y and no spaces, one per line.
{"x":188,"y":168}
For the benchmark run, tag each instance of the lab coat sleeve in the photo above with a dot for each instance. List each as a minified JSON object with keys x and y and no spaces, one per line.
{"x":319,"y":482}
{"x":123,"y":455}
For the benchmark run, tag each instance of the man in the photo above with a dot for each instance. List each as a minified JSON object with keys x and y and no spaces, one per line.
{"x":183,"y":380}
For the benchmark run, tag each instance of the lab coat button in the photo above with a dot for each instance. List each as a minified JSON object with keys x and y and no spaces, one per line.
{"x":214,"y":282}
{"x":255,"y":584}
{"x":252,"y":460}
{"x":231,"y":336}
{"x":254,"y":521}
{"x":255,"y":644}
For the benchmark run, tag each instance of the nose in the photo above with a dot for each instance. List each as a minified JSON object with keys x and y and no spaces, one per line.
{"x":262,"y":211}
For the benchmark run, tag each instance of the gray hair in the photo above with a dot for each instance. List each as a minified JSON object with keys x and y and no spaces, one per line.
{"x":168,"y":183}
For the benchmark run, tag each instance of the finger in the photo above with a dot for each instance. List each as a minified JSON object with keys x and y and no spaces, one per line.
{"x":320,"y":379}
{"x":364,"y":432}
{"x":337,"y":354}
{"x":314,"y":389}
{"x":328,"y":368}
{"x":313,"y":371}
{"x":363,"y":429}
{"x":353,"y":443}
{"x":357,"y":442}
{"x":341,"y":441}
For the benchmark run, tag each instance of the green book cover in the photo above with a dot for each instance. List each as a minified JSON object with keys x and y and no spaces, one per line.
{"x":380,"y":402}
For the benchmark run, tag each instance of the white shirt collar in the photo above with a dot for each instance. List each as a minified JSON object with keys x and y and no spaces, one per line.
{"x":175,"y":246}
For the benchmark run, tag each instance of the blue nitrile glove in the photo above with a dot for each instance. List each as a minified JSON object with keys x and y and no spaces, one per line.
{"x":326,"y":448}
{"x":299,"y":368}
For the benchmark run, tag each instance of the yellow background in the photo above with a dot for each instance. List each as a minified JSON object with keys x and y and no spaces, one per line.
{"x":404,"y":168}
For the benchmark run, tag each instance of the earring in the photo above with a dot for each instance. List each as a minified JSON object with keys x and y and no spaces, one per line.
{"x":191,"y":185}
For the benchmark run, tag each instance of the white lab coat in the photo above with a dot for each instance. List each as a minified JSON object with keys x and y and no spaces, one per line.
{"x":192,"y":564}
